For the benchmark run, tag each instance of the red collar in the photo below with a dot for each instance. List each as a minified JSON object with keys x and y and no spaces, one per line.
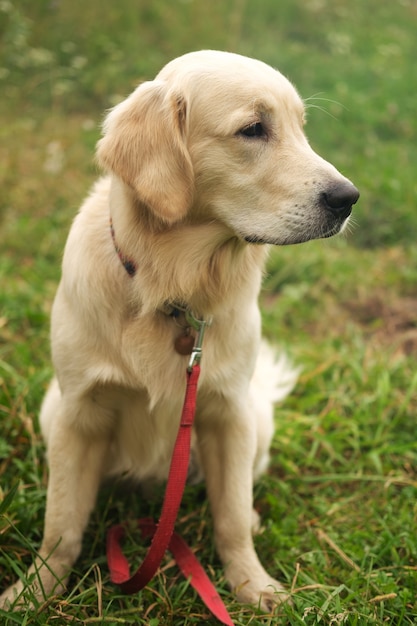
{"x":129,"y":265}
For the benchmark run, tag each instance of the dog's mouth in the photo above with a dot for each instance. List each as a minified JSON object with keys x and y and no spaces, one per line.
{"x":257,"y":240}
{"x":319,"y":232}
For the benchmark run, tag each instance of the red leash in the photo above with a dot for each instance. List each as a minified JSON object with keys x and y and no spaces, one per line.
{"x":163,"y":536}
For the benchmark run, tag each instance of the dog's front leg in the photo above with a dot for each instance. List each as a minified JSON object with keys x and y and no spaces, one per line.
{"x":75,"y":462}
{"x":227,"y":444}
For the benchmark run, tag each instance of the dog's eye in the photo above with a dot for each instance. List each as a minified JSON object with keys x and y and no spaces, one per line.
{"x":254,"y":130}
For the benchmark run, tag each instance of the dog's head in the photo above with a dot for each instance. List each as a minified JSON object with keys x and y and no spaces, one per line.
{"x":220,"y":136}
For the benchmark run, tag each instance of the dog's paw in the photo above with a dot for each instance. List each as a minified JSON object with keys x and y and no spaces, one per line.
{"x":39,"y":583}
{"x":12,"y":597}
{"x":267,"y":596}
{"x":272,"y":597}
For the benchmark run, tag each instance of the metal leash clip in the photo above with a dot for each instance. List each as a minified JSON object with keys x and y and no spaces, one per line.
{"x":199,"y":326}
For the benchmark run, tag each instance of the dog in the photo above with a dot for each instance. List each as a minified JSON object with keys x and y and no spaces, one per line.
{"x":206,"y":166}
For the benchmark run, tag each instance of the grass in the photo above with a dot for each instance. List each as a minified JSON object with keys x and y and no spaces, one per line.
{"x":338,"y":505}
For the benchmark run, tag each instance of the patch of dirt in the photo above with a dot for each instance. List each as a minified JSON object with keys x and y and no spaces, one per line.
{"x":388,"y":322}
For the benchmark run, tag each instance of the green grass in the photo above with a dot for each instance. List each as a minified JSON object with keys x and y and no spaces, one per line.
{"x":338,"y":505}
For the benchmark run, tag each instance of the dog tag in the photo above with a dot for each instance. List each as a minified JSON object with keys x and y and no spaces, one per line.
{"x":184,"y":344}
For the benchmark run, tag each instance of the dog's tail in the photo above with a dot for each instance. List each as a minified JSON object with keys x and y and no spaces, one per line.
{"x":273,"y":379}
{"x":275,"y":376}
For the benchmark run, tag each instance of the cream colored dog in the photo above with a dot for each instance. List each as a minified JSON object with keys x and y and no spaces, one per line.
{"x":206,"y":163}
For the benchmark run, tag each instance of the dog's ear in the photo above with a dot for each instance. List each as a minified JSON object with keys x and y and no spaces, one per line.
{"x":144,"y":145}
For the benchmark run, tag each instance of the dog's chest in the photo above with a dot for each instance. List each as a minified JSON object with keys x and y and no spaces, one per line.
{"x":143,"y":436}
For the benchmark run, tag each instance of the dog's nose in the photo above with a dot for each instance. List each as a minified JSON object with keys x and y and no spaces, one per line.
{"x":340,"y":198}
